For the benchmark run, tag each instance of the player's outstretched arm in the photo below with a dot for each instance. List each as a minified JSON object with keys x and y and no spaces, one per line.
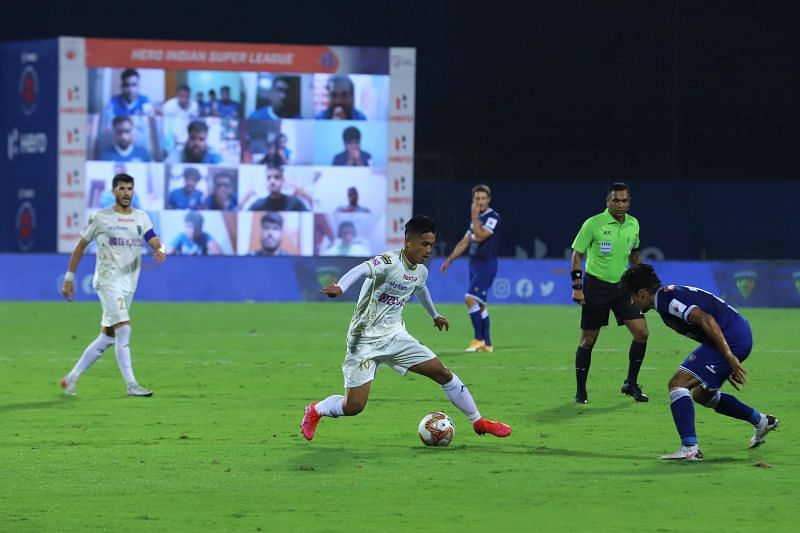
{"x":358,"y":272}
{"x":711,"y":328}
{"x":424,"y":297}
{"x":68,"y":289}
{"x":461,"y":246}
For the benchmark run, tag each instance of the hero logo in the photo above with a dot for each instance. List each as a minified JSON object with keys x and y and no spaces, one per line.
{"x":26,"y":226}
{"x":28,"y":90}
{"x":25,"y":143}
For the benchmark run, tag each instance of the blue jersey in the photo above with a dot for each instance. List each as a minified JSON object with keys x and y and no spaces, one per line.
{"x":675,"y":302}
{"x":121,"y":108}
{"x":486,"y":250}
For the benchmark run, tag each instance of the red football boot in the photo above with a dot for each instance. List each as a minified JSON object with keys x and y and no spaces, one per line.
{"x":310,"y":421}
{"x":498,"y":429}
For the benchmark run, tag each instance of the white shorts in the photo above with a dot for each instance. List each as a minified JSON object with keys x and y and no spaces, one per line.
{"x":116,"y":304}
{"x":400,"y":352}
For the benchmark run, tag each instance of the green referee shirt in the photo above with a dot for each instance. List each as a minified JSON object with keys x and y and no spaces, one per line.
{"x":607,"y":245}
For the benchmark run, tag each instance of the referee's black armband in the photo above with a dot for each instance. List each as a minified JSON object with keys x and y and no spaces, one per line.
{"x":577,"y":278}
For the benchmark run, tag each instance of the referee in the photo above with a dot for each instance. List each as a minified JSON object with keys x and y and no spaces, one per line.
{"x":609,"y":241}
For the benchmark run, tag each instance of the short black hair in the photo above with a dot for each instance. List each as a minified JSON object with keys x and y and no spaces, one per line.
{"x":184,"y":87}
{"x":127,"y":73}
{"x":191,"y":172}
{"x":197,"y":125}
{"x":121,"y":178}
{"x":225,"y":88}
{"x":272,"y":218}
{"x":420,"y":224}
{"x":641,"y":276}
{"x":351,"y":133}
{"x":339,"y":77}
{"x":618,"y":186}
{"x":120,"y":119}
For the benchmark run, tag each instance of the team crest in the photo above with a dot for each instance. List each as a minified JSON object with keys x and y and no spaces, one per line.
{"x":605,"y":247}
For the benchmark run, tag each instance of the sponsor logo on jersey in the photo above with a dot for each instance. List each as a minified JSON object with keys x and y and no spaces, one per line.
{"x":122,"y":241}
{"x":388,"y":299}
{"x":406,"y":277}
{"x":398,"y":286}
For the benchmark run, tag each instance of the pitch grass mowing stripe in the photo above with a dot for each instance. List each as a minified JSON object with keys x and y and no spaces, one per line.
{"x":218,"y":446}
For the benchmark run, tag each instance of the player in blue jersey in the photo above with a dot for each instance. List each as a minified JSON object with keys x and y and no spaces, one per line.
{"x":482,"y":240}
{"x":725,"y":341}
{"x":129,"y":101}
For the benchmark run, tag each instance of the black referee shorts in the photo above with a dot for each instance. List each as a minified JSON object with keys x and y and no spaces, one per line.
{"x":600,"y":297}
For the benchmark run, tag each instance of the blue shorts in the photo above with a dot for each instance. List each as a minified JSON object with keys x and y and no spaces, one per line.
{"x":709,"y":366}
{"x":481,"y":277}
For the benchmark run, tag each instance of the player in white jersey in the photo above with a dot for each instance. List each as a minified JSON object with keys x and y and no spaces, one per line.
{"x":119,"y":232}
{"x":377,"y":334}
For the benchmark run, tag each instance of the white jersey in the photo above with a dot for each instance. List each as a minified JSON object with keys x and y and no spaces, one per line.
{"x":389,"y":286}
{"x":119,"y":239}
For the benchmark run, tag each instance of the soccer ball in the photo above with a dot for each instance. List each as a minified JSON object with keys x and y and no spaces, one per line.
{"x":436,"y":429}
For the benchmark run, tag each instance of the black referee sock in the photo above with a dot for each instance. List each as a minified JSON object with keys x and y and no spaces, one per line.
{"x":635,"y":358}
{"x":583,"y":359}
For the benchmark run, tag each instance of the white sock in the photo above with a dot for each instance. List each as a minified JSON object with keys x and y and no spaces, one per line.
{"x":331,"y":406}
{"x":461,"y":398}
{"x":91,"y":354}
{"x":762,"y":422}
{"x":485,"y":313}
{"x":123,"y":352}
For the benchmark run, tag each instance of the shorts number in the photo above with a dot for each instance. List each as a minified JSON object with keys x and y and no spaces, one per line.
{"x":121,"y":302}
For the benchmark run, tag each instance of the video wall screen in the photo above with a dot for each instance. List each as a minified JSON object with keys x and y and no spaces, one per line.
{"x":245,"y":163}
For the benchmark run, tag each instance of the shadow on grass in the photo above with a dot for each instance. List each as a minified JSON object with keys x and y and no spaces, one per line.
{"x":571,"y":410}
{"x":27,"y":406}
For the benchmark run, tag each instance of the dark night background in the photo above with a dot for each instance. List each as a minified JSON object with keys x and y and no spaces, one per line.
{"x":571,"y":93}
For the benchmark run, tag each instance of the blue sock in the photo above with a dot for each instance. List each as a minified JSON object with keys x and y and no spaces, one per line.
{"x":729,"y":405}
{"x":683,"y":415}
{"x":485,"y":319}
{"x":477,"y":321}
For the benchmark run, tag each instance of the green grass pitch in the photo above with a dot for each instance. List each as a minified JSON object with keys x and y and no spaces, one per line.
{"x":218,"y":447}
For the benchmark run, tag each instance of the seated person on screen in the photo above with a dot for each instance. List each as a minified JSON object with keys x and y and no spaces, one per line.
{"x":130,"y":102}
{"x":181,"y":105}
{"x":188,"y":197}
{"x":124,"y":147}
{"x":271,"y":236}
{"x":271,"y":158}
{"x":345,"y":244}
{"x":202,"y":106}
{"x":194,"y":241}
{"x":227,"y":107}
{"x":353,"y":155}
{"x":222,"y":197}
{"x":340,"y":94}
{"x":212,"y":107}
{"x":276,"y":200}
{"x":196,"y":149}
{"x":276,"y":109}
{"x":283,"y":151}
{"x":352,"y":203}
